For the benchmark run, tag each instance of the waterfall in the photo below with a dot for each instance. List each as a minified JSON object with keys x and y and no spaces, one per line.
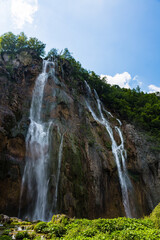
{"x":118,"y":151}
{"x":37,"y":172}
{"x":58,"y":172}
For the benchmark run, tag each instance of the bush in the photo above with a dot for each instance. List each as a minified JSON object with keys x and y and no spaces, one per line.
{"x":6,"y":232}
{"x":62,"y":227}
{"x":21,"y":235}
{"x":60,"y":218}
{"x":148,"y":234}
{"x":155,"y":216}
{"x":39,"y":227}
{"x":57,"y":230}
{"x":4,"y":237}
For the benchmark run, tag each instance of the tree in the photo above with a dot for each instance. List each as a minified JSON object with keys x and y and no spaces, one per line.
{"x":21,"y":41}
{"x":37,"y":46}
{"x":12,"y":44}
{"x":8,"y":42}
{"x":66,"y":54}
{"x":52,"y":54}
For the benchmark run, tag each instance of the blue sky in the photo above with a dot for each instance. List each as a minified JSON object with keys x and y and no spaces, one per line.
{"x":119,"y":39}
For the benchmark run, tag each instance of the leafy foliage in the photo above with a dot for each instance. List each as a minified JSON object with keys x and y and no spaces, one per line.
{"x":63,"y":219}
{"x":52,"y":54}
{"x":63,"y":227}
{"x":4,"y":237}
{"x":134,"y":105}
{"x":22,"y":235}
{"x":155,"y":216}
{"x":39,"y":227}
{"x":120,"y":228}
{"x":12,"y":44}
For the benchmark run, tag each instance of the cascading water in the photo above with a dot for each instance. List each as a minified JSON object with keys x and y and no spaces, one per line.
{"x":37,"y":172}
{"x":58,"y":173}
{"x":118,"y":152}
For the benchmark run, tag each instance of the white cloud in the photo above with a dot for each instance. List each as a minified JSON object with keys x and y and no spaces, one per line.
{"x":153,"y":88}
{"x":121,"y":79}
{"x":124,"y":80}
{"x":22,"y":12}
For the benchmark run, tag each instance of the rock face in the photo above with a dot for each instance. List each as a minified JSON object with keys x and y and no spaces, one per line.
{"x":143,"y":165}
{"x":89,"y":183}
{"x":17,"y":78}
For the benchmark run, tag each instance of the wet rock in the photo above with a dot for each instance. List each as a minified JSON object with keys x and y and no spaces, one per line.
{"x":15,"y":99}
{"x":25,"y":58}
{"x":7,"y":118}
{"x":89,"y":184}
{"x":143,"y":164}
{"x":5,"y":219}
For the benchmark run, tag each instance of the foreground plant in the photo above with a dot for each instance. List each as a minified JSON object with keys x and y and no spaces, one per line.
{"x":63,"y":227}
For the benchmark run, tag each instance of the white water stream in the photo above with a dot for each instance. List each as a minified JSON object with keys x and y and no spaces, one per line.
{"x":36,"y":181}
{"x":36,"y":177}
{"x":118,"y":151}
{"x":55,"y":197}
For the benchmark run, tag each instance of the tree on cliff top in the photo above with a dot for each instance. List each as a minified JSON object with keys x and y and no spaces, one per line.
{"x":11,"y":43}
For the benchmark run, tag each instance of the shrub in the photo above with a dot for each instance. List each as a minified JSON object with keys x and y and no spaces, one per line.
{"x":155,"y":216}
{"x":6,"y":232}
{"x":4,"y":237}
{"x":39,"y":227}
{"x":21,"y":235}
{"x":61,"y":218}
{"x":57,"y":230}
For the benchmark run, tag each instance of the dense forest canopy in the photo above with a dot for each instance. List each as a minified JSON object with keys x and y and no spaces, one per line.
{"x":131,"y":105}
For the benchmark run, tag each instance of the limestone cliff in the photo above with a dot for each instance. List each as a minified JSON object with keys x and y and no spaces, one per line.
{"x":89,"y":184}
{"x":17,"y":78}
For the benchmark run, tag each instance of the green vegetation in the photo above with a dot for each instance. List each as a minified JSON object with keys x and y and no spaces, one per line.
{"x":22,"y":235}
{"x":155,"y":216}
{"x":40,"y":226}
{"x":12,"y":44}
{"x":4,"y":237}
{"x":63,"y":227}
{"x":134,"y":105}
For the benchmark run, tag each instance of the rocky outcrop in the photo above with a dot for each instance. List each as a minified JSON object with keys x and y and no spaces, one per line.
{"x":143,"y":164}
{"x":89,"y":183}
{"x":17,"y":78}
